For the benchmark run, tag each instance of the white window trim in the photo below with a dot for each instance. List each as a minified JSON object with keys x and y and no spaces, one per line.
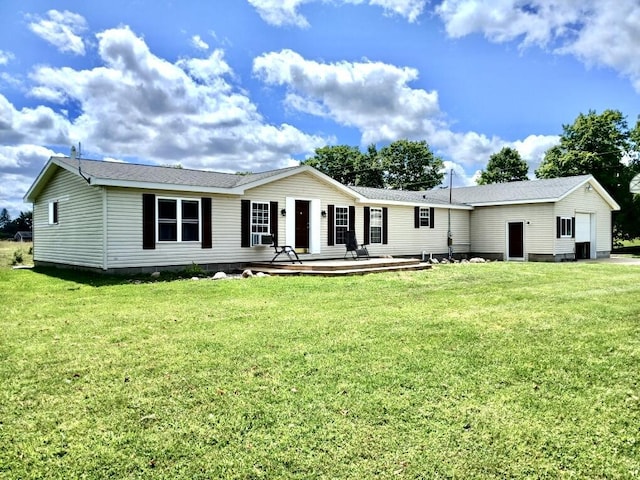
{"x":372,"y":226}
{"x":54,"y":205}
{"x":424,"y":216}
{"x":178,"y":201}
{"x":255,"y":242}
{"x":566,"y":227}
{"x":335,"y":223}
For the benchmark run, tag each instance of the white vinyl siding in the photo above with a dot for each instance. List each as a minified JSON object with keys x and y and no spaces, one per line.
{"x":77,"y":238}
{"x":489,"y":228}
{"x":586,"y":202}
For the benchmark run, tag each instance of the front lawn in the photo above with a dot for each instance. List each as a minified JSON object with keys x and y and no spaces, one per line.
{"x":503,"y":370}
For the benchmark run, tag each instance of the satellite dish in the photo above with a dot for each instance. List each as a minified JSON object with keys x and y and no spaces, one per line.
{"x":634,"y":186}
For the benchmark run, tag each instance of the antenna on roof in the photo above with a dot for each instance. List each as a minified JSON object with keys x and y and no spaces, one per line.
{"x":77,"y":154}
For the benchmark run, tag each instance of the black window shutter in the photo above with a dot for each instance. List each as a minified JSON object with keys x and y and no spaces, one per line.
{"x":352,"y":218}
{"x":416,"y":217}
{"x":385,"y":225}
{"x":273,"y":220}
{"x":207,"y":238}
{"x":331,"y":212}
{"x":573,"y":227}
{"x":558,"y":227}
{"x":245,"y":223}
{"x":367,"y":224}
{"x":432,"y":217}
{"x":148,"y":221}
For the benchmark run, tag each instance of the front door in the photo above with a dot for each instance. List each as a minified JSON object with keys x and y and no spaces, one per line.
{"x":302,"y":224}
{"x":515,"y":240}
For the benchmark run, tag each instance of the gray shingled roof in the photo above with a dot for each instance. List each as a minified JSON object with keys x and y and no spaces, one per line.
{"x":164,"y":175}
{"x":398,"y":195}
{"x":512,"y":192}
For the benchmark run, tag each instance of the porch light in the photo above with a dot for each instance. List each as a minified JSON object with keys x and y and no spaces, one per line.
{"x":323,"y":213}
{"x":283,"y":212}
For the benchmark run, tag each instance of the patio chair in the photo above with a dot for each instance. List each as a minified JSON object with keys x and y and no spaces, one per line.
{"x":287,"y":250}
{"x":356,"y":250}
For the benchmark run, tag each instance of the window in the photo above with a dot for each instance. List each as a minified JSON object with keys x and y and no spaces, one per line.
{"x":259,"y":222}
{"x":53,"y":213}
{"x":566,"y":227}
{"x":425,"y":217}
{"x":341,"y":224}
{"x":375,"y":225}
{"x":178,"y":220}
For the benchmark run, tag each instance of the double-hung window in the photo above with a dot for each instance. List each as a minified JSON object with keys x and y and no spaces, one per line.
{"x":178,"y":220}
{"x":341,"y":224}
{"x":425,"y":217}
{"x":259,"y":222}
{"x":375,"y":225}
{"x":566,"y":227}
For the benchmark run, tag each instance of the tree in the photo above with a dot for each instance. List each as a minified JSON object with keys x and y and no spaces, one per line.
{"x":596,"y":144}
{"x":410,"y":165}
{"x":5,"y":219}
{"x":348,"y":165}
{"x":505,"y":166}
{"x":340,"y":162}
{"x":24,"y":222}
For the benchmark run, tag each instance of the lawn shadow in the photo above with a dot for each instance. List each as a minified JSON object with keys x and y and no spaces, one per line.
{"x":97,"y":279}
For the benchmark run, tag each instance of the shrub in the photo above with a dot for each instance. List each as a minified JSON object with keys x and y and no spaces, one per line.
{"x":18,"y":257}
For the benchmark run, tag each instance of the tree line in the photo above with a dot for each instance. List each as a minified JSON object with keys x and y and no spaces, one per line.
{"x":602,"y":145}
{"x":9,"y":227}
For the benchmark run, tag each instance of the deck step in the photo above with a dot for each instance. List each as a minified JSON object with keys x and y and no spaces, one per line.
{"x":341,"y":267}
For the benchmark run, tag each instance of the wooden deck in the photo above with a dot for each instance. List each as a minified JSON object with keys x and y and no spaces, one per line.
{"x":340,"y":267}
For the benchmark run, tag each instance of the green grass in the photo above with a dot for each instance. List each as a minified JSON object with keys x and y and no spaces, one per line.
{"x":465,"y":371}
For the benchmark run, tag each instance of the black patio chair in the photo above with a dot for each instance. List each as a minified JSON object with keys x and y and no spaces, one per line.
{"x":356,"y":250}
{"x":287,"y":250}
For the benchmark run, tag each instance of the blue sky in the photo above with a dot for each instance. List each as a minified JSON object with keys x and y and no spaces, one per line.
{"x":237,"y":85}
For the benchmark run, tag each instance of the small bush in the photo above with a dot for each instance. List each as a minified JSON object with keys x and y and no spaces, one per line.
{"x":18,"y":257}
{"x":194,"y":270}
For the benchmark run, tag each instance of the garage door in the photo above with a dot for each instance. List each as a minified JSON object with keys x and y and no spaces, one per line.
{"x":583,"y":227}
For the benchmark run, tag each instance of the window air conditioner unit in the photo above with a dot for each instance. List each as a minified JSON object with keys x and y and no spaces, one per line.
{"x":261,"y":239}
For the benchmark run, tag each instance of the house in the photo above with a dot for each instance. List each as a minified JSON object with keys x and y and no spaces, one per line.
{"x":23,"y":236}
{"x":122,"y":217}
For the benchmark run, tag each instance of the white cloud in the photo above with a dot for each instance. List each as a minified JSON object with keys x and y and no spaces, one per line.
{"x":285,"y":12}
{"x":200,"y":44}
{"x":597,"y":33}
{"x":377,"y":99}
{"x":533,"y":148}
{"x":371,"y":96}
{"x":5,"y":57}
{"x":140,"y":105}
{"x":38,"y":125}
{"x":19,"y":164}
{"x":61,"y":29}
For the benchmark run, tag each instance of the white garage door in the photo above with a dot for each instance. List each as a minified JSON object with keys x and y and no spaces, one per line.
{"x":583,"y":227}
